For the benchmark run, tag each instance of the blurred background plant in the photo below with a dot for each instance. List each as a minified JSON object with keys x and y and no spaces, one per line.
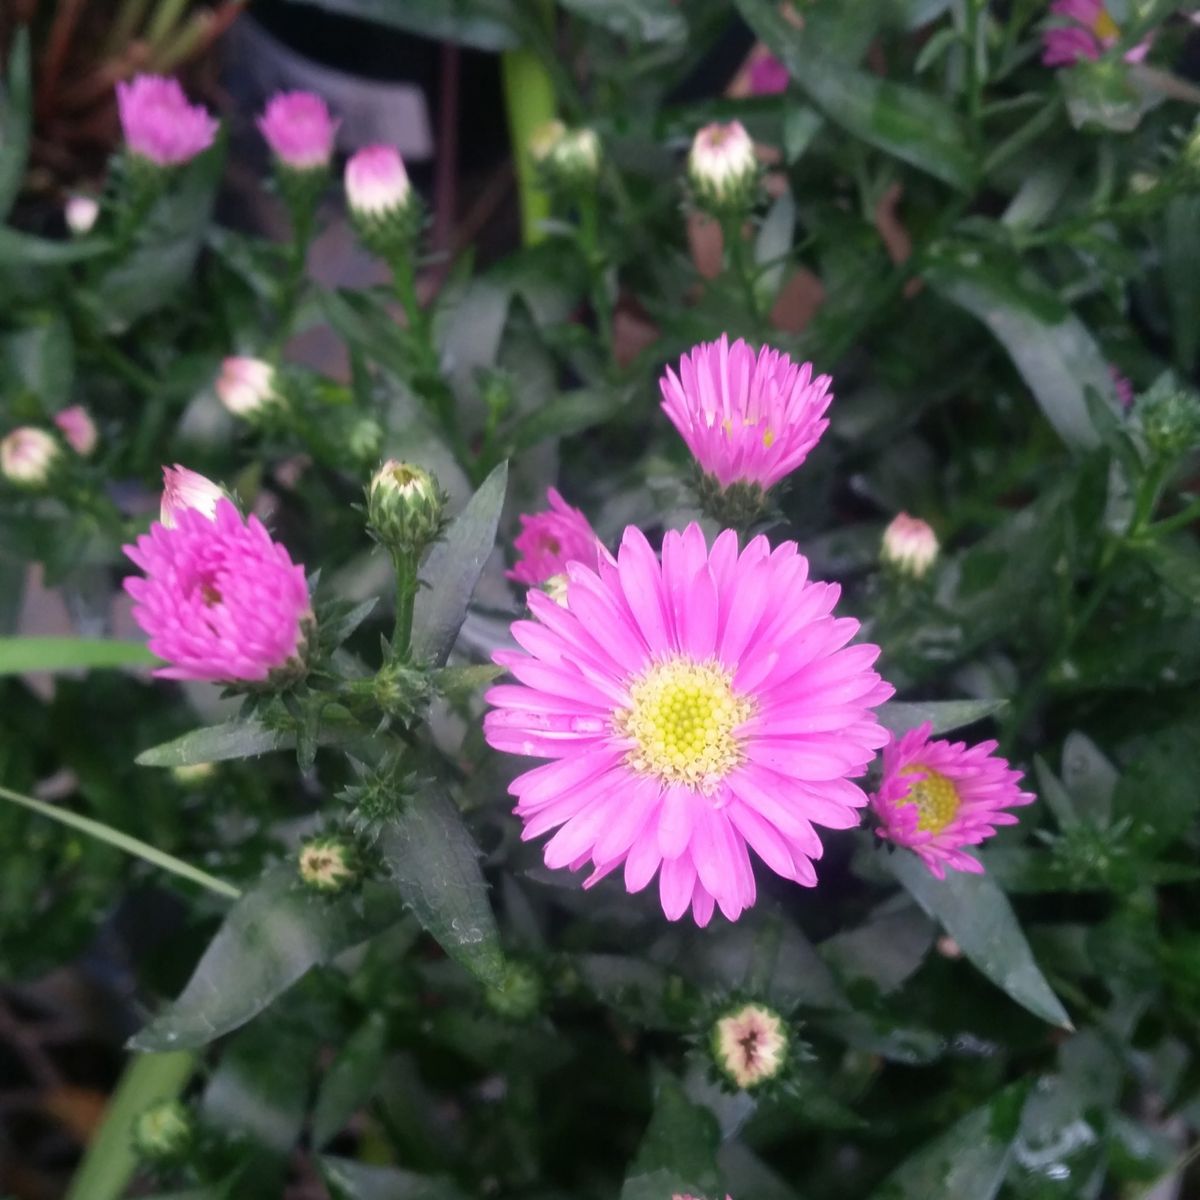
{"x":379,"y":989}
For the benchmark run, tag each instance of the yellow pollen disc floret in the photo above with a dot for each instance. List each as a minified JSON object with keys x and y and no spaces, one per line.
{"x":768,"y":439}
{"x":1105,"y":27}
{"x":683,"y":717}
{"x":935,"y":796}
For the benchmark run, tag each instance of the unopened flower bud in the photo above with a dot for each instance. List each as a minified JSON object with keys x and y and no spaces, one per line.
{"x":247,"y":386}
{"x":722,"y":168}
{"x":187,"y":489}
{"x":164,"y":1133}
{"x":544,"y":138}
{"x":1169,"y":414}
{"x":750,"y":1045}
{"x":572,"y":161}
{"x":192,"y":774}
{"x":909,"y":545}
{"x":328,"y":864}
{"x":27,"y":456}
{"x":518,"y":995}
{"x":556,"y":588}
{"x":404,"y":506}
{"x":78,"y":428}
{"x":298,"y":128}
{"x":385,"y":211}
{"x":80,"y":214}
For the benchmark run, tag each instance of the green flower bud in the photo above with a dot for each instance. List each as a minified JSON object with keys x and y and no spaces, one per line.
{"x":404,"y":507}
{"x":328,"y":864}
{"x":518,"y":995}
{"x":1169,"y":414}
{"x":164,"y":1133}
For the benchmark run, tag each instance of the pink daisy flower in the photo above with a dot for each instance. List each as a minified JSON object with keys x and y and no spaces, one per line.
{"x":298,"y":128}
{"x":768,"y":76}
{"x":1091,"y":31}
{"x":221,"y":601}
{"x":693,"y":710}
{"x":550,"y":539}
{"x":746,"y":417}
{"x":158,"y":122}
{"x":936,"y":797}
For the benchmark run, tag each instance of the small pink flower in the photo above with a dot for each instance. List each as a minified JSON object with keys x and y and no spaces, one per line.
{"x":246,"y":385}
{"x":936,"y":797}
{"x":78,"y":428}
{"x":27,"y":455}
{"x":746,"y":418}
{"x":184,"y":489}
{"x":768,"y":76}
{"x":158,"y":122}
{"x":220,"y":601}
{"x":693,"y":709}
{"x":299,"y":130}
{"x":549,"y":540}
{"x":376,"y":181}
{"x":909,"y":545}
{"x":80,"y":213}
{"x":689,"y":1196}
{"x":1123,"y":387}
{"x":1091,"y":32}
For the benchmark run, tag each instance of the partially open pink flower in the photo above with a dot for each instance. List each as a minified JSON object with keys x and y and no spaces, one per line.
{"x":26,"y":456}
{"x":376,"y":181}
{"x":299,"y":130}
{"x":768,"y":76}
{"x":78,"y":428}
{"x":158,"y":122}
{"x":1089,"y":31}
{"x":746,"y":417}
{"x":220,"y":601}
{"x":936,"y":797}
{"x":550,"y":539}
{"x":184,"y":489}
{"x":693,"y":710}
{"x":909,"y":545}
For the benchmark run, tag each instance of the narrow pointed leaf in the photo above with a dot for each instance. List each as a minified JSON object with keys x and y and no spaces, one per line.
{"x":679,"y":1151}
{"x":453,"y":569}
{"x":20,"y":654}
{"x":977,"y":915}
{"x":351,"y":1079}
{"x":233,"y":739}
{"x":16,"y":118}
{"x":351,"y":1180}
{"x":899,"y":716}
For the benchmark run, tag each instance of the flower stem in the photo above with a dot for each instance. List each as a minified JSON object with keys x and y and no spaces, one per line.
{"x":589,"y":243}
{"x":735,"y":244}
{"x":406,"y":592}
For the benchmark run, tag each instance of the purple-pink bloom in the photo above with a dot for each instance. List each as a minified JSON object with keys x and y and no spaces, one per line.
{"x":936,"y":797}
{"x":551,"y":539}
{"x":78,"y":429}
{"x":1090,"y":32}
{"x":298,"y":128}
{"x":768,"y":76}
{"x":746,"y":417}
{"x":158,"y":122}
{"x":376,"y":181}
{"x":1123,"y":386}
{"x":220,"y":601}
{"x":693,"y":710}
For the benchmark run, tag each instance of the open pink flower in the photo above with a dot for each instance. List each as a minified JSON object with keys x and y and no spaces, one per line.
{"x":768,"y":76}
{"x":936,"y":797}
{"x":221,"y":601}
{"x":298,"y":128}
{"x":747,"y":418}
{"x":550,"y":539}
{"x":158,"y":122}
{"x":693,"y":710}
{"x":1091,"y":31}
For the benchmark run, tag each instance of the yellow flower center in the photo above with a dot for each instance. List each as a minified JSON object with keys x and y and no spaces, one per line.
{"x":683,"y":717}
{"x":936,"y":798}
{"x":1104,"y":27}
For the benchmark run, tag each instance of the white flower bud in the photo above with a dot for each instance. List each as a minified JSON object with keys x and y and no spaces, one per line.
{"x":909,"y":545}
{"x":26,"y":456}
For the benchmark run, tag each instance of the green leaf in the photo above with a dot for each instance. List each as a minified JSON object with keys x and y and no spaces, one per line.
{"x":679,"y":1151}
{"x":21,"y":654}
{"x":462,"y":682}
{"x":970,"y":1159}
{"x":568,"y":413}
{"x":16,"y":120}
{"x":483,"y":24}
{"x":1181,"y":276}
{"x":772,"y":247}
{"x":25,"y":250}
{"x":351,"y":1079}
{"x":1176,"y":561}
{"x":41,"y":354}
{"x":912,"y":125}
{"x":885,"y":951}
{"x":233,"y":739}
{"x":1052,"y":349}
{"x":639,"y":20}
{"x":434,"y":863}
{"x":977,"y":915}
{"x":1158,"y":791}
{"x":351,"y":1180}
{"x":268,"y":940}
{"x":800,"y":125}
{"x":1089,"y":778}
{"x":453,"y":568}
{"x":900,"y":716}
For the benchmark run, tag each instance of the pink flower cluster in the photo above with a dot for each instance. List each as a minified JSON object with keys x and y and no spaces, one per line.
{"x":220,"y":600}
{"x":1088,"y":29}
{"x":159,"y":124}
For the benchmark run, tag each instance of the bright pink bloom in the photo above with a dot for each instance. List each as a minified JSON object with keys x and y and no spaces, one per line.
{"x":1123,"y":386}
{"x":376,"y":181}
{"x":768,"y":76}
{"x":694,"y":709}
{"x":158,"y":122}
{"x":1091,"y":31}
{"x":689,"y":1196}
{"x":936,"y":797}
{"x":747,"y":418}
{"x":221,"y":601}
{"x":299,"y":130}
{"x":78,"y":428}
{"x":550,"y":539}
